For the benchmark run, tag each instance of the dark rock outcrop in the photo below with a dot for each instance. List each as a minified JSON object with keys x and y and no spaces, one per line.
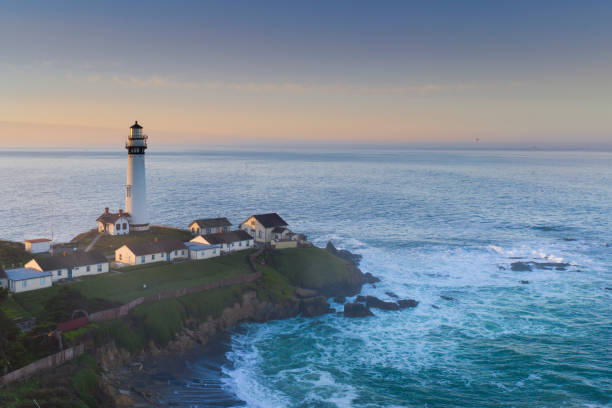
{"x":405,"y":303}
{"x":374,"y":302}
{"x":314,"y":306}
{"x":369,"y":278}
{"x":391,"y":294}
{"x":524,"y":282}
{"x":340,"y":299}
{"x":447,"y":297}
{"x":528,"y":266}
{"x":344,"y":254}
{"x":360,"y":298}
{"x":357,"y":310}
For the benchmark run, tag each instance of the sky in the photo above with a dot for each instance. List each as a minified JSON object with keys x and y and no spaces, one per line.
{"x":199,"y":73}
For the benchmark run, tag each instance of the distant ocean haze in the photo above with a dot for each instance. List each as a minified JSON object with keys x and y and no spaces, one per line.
{"x":428,"y":223}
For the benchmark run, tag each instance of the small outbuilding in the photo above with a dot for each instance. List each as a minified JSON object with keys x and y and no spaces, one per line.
{"x":114,"y":223}
{"x":38,"y":245}
{"x":210,"y":226}
{"x":202,"y":251}
{"x":70,"y":265}
{"x":25,"y":279}
{"x":229,"y":241}
{"x":264,"y":228}
{"x":154,"y":251}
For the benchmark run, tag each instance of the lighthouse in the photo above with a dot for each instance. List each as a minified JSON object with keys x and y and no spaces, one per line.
{"x":136,"y":188}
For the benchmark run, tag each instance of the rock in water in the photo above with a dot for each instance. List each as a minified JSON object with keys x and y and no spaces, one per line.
{"x":447,"y":297}
{"x":369,"y":278}
{"x":344,"y":254}
{"x":314,"y":306}
{"x":405,"y":303}
{"x":391,"y":294}
{"x":372,"y":301}
{"x":520,"y":266}
{"x":360,"y":298}
{"x":524,"y":282}
{"x":339,"y":299}
{"x":357,"y":310}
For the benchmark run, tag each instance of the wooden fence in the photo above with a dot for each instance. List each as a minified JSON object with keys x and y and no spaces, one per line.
{"x":51,"y":361}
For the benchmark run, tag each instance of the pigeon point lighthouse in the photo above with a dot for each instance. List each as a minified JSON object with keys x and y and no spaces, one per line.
{"x":136,"y":188}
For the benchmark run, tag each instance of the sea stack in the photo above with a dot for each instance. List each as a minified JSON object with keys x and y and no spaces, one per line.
{"x":136,"y":187}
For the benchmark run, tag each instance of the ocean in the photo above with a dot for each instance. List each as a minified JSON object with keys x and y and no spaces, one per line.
{"x":441,"y":227}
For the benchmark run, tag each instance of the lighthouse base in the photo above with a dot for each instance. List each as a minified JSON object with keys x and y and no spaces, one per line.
{"x":139,"y":227}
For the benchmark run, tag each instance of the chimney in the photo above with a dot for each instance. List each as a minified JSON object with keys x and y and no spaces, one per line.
{"x":65,"y":253}
{"x":120,"y":212}
{"x":155,"y":240}
{"x":106,"y":210}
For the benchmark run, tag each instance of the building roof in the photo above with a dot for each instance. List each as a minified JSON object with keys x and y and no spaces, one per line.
{"x":19,"y":274}
{"x":280,"y":229}
{"x":270,"y":220}
{"x":136,"y":126}
{"x":37,"y":240}
{"x":196,"y":246}
{"x":111,"y":218}
{"x":70,"y":260}
{"x":152,"y":247}
{"x":212,"y":222}
{"x":227,"y":237}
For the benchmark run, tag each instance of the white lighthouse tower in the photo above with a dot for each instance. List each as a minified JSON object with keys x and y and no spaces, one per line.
{"x":136,"y":188}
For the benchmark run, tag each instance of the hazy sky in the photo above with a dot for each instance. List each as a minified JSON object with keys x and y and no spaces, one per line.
{"x":79,"y":73}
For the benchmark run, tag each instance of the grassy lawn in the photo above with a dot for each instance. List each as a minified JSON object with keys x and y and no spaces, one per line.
{"x":107,"y":244}
{"x":13,"y":309}
{"x":159,"y":277}
{"x":310,"y":267}
{"x":13,"y":254}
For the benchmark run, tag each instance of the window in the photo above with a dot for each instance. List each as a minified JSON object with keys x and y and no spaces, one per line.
{"x":88,"y":269}
{"x":175,"y":253}
{"x":247,"y":243}
{"x":120,"y":256}
{"x":118,"y":227}
{"x":208,"y":230}
{"x":259,"y":234}
{"x":42,"y":281}
{"x":59,"y":273}
{"x":202,"y":253}
{"x":214,"y":251}
{"x":240,"y":243}
{"x":24,"y":284}
{"x":182,"y":252}
{"x":153,"y":257}
{"x":125,"y":225}
{"x":100,"y":268}
{"x":142,"y":259}
{"x":128,"y":190}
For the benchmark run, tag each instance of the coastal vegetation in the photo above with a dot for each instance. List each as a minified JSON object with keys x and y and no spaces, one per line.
{"x":13,"y":254}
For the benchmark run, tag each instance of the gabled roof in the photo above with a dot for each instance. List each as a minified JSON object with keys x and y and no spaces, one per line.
{"x":152,"y":247}
{"x":37,"y":240}
{"x":111,"y":218}
{"x":227,"y":237}
{"x":19,"y":274}
{"x":70,"y":260}
{"x":270,"y":220}
{"x":212,"y":222}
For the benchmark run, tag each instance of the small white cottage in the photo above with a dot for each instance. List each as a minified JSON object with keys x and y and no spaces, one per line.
{"x":202,"y":251}
{"x":210,"y":226}
{"x":38,"y":245}
{"x":114,"y":223}
{"x":264,"y":228}
{"x":154,"y":251}
{"x":71,"y":264}
{"x":24,"y":279}
{"x":229,"y":241}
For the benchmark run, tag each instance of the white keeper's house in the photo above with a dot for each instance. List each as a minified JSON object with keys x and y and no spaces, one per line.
{"x":154,"y":251}
{"x":229,"y":241}
{"x":38,"y":245}
{"x":265,"y":228}
{"x":24,"y":279}
{"x":202,"y":251}
{"x":210,"y":226}
{"x":114,"y":223}
{"x":71,"y":264}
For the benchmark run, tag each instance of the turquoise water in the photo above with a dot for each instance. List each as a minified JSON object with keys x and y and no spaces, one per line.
{"x":429,"y":224}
